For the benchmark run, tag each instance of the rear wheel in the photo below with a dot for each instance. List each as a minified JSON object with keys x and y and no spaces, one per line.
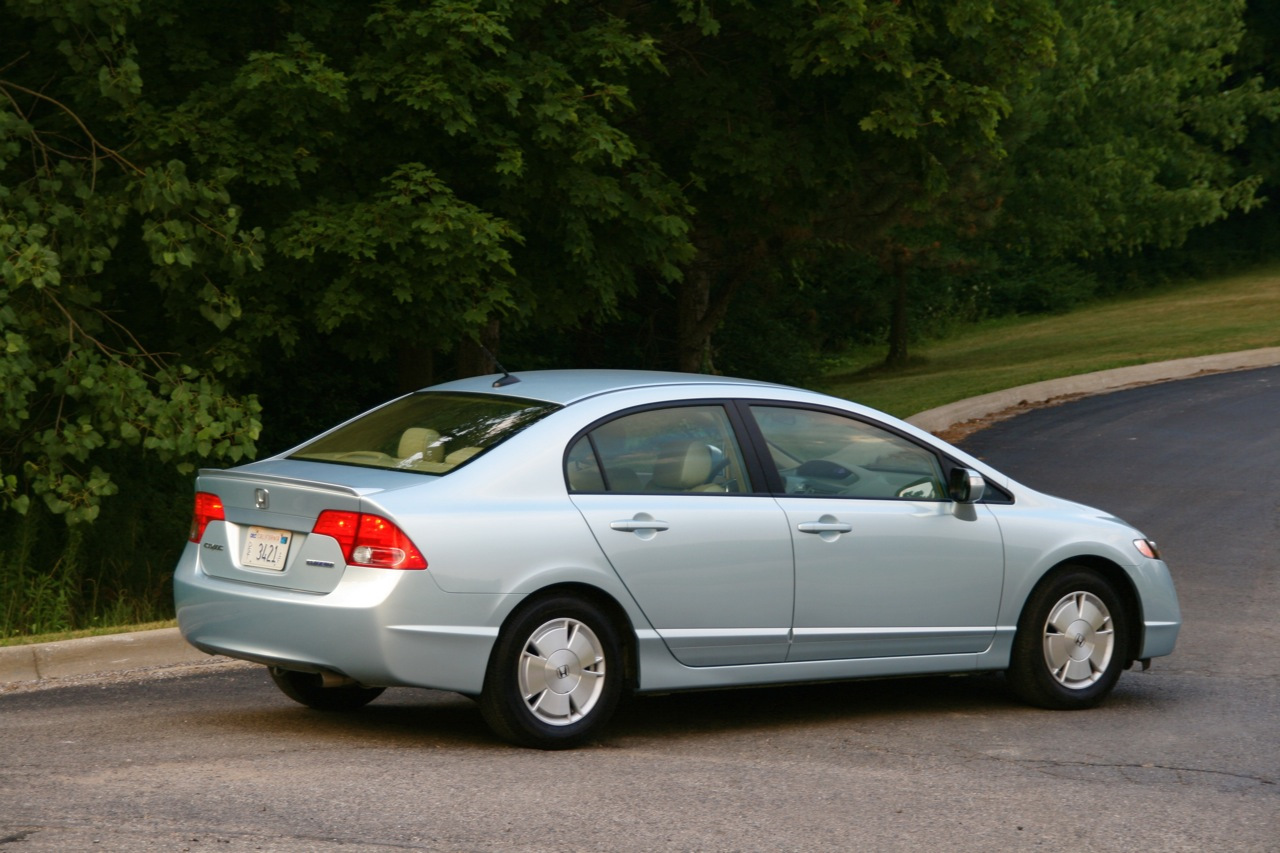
{"x":1071,"y":642}
{"x":308,"y":689}
{"x":555,"y":675}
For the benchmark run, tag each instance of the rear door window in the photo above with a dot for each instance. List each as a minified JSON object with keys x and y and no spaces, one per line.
{"x":685,"y":449}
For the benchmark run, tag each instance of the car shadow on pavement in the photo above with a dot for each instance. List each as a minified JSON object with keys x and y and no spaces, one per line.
{"x":810,"y":704}
{"x":408,"y":718}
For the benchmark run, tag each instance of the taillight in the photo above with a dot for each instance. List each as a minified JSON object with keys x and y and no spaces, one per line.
{"x":208,"y":508}
{"x":369,"y":540}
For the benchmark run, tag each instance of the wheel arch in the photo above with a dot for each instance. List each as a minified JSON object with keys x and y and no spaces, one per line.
{"x":1119,"y":579}
{"x":611,"y":607}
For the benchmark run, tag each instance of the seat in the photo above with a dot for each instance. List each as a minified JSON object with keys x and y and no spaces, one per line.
{"x":682,"y":466}
{"x":585,"y":478}
{"x":623,"y":479}
{"x":462,"y":454}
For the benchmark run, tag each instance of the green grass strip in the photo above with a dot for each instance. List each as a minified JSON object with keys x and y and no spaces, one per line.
{"x":100,"y":631}
{"x":1241,"y":312}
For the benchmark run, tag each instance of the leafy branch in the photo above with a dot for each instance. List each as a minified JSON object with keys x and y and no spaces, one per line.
{"x":95,"y":145}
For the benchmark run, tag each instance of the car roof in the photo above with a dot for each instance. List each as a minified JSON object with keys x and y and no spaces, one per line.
{"x":570,"y":386}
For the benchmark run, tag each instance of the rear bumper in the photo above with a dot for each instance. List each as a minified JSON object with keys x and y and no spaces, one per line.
{"x":380,"y":627}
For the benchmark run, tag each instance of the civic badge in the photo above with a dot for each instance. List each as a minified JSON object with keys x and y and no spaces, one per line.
{"x":261,"y":498}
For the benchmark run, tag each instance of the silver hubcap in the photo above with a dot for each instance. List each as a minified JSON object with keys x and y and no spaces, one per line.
{"x":561,"y":672}
{"x":1078,"y":640}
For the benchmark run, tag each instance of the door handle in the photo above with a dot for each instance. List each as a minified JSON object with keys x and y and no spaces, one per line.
{"x":642,"y":525}
{"x":828,"y":527}
{"x":824,"y":527}
{"x":633,"y":524}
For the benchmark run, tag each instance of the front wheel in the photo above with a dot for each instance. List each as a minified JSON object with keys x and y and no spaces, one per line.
{"x":555,"y":675}
{"x":1071,"y":641}
{"x":308,"y":688}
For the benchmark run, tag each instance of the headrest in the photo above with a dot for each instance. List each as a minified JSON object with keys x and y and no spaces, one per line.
{"x":682,"y":465}
{"x":421,"y":440}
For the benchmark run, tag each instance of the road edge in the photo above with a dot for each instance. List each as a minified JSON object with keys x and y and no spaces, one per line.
{"x":952,"y":419}
{"x":43,"y":662}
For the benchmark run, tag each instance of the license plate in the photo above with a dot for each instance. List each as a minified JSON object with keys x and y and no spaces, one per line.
{"x":265,"y":548}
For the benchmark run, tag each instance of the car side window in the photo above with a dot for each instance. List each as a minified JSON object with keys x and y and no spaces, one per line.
{"x":821,"y":453}
{"x":681,"y":449}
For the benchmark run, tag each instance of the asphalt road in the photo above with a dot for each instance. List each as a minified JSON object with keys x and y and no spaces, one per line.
{"x":1184,"y":757}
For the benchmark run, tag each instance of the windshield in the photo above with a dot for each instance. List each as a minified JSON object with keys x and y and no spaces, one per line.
{"x":431,"y":433}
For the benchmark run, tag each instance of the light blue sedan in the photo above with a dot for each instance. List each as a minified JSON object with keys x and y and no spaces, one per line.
{"x":548,"y":542}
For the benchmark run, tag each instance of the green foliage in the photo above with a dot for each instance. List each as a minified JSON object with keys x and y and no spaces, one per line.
{"x":1125,"y":136}
{"x":804,"y":126}
{"x":59,"y":577}
{"x":33,"y":600}
{"x":421,"y":171}
{"x":1038,"y":288}
{"x":87,"y":235}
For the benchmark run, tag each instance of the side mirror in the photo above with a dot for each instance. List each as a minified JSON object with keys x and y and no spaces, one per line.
{"x":966,"y":486}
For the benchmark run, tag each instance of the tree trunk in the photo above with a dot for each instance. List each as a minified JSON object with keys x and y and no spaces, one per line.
{"x":897,"y":356}
{"x":704,"y":297}
{"x":472,"y":359}
{"x":693,"y":337}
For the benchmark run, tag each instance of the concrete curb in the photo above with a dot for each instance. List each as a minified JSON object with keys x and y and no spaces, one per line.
{"x":1011,"y":400}
{"x":89,"y":655}
{"x":44,"y":662}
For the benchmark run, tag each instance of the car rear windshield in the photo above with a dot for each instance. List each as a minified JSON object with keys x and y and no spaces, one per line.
{"x":431,"y":433}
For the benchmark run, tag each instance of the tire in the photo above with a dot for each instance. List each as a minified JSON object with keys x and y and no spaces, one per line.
{"x":307,"y":688}
{"x":1072,"y":641}
{"x":555,"y":675}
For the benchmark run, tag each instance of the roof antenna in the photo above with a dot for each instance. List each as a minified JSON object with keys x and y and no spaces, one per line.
{"x":506,"y":378}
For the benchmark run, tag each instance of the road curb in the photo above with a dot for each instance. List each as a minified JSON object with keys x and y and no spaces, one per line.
{"x":976,"y":410}
{"x":91,"y":655}
{"x":43,"y":662}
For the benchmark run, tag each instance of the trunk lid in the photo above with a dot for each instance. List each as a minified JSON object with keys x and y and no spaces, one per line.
{"x":266,"y":538}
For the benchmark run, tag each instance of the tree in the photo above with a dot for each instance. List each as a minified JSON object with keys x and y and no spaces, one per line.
{"x":97,"y":232}
{"x":1122,"y":142}
{"x":535,"y":162}
{"x":798,"y":128}
{"x":423,"y":172}
{"x":1126,"y":139}
{"x":382,"y":180}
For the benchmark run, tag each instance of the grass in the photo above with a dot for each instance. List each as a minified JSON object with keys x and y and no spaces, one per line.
{"x":1240,"y":312}
{"x":100,"y":631}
